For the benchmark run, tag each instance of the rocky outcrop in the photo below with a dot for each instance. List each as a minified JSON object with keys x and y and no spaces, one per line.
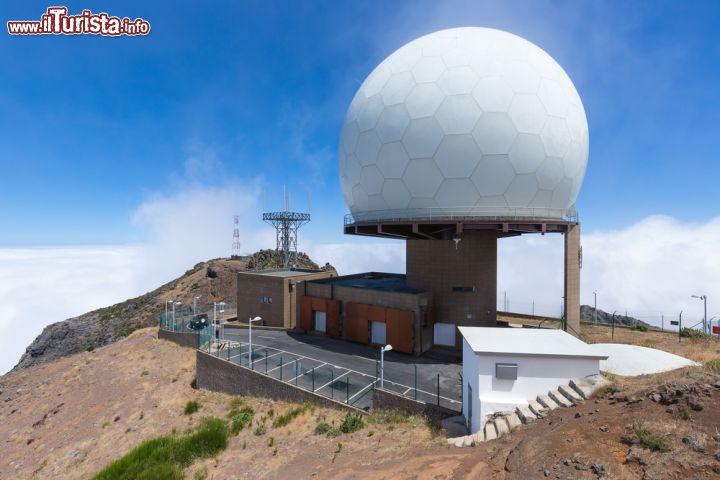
{"x":587,"y":315}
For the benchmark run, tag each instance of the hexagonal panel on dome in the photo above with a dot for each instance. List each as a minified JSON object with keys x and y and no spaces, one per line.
{"x":493,"y":94}
{"x":396,"y":194}
{"x":376,"y":81}
{"x":550,"y":173}
{"x":422,"y":177}
{"x":458,"y":80}
{"x":370,"y":112}
{"x":457,"y":156}
{"x":397,"y":88}
{"x":553,"y":97}
{"x":372,"y":180}
{"x":377,"y":202}
{"x":494,"y":133}
{"x":458,"y":114}
{"x":521,"y":76}
{"x":555,"y":137}
{"x":428,"y":69}
{"x":349,"y":138}
{"x":422,"y":137}
{"x":527,"y":153}
{"x":521,"y":191}
{"x":527,"y":113}
{"x":457,"y":192}
{"x":424,"y":100}
{"x":360,"y":199}
{"x":493,"y":175}
{"x":392,"y":160}
{"x":392,"y":123}
{"x":368,"y":147}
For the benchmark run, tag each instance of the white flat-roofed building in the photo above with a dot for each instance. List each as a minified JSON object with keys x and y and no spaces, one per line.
{"x":504,"y":368}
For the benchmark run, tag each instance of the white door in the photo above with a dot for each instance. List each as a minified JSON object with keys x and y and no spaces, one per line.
{"x":378,"y":333}
{"x":445,"y":334}
{"x":320,"y":322}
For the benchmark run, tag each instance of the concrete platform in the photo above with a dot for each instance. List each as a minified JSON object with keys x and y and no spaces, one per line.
{"x":633,"y":360}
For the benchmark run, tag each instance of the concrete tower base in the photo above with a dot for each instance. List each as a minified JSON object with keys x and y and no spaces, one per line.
{"x":462,"y":277}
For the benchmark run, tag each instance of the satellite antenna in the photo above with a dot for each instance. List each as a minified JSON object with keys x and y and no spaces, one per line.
{"x":236,"y":238}
{"x":286,"y":224}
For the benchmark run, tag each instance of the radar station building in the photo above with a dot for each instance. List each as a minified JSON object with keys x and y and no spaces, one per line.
{"x":458,"y":140}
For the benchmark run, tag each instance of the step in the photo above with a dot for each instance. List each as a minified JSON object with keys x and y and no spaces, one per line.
{"x":560,"y":398}
{"x":490,"y":431}
{"x":581,"y":387}
{"x":537,"y":409}
{"x":525,"y":414}
{"x":501,"y":425}
{"x":570,"y":393}
{"x":512,"y":420}
{"x":547,"y":402}
{"x":478,"y":437}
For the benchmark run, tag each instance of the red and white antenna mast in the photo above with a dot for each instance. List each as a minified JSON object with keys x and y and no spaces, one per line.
{"x":236,"y":238}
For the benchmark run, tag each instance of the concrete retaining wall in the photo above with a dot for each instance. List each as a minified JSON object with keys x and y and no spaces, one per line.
{"x":219,"y":375}
{"x":387,"y":400}
{"x":184,"y":339}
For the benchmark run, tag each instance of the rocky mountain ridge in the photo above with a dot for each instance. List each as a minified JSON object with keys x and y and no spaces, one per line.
{"x":213,"y":280}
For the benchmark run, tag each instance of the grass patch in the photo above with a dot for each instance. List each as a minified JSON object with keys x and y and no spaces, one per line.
{"x":290,"y":415}
{"x":166,"y":457}
{"x":322,"y":428}
{"x":713,"y":365}
{"x":640,"y":327}
{"x":352,"y":423}
{"x":191,"y":407}
{"x":606,"y":389}
{"x":90,"y":348}
{"x":239,"y":419}
{"x":261,"y":430}
{"x":693,"y":333}
{"x":648,"y":439}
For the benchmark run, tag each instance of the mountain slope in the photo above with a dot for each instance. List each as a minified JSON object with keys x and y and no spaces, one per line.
{"x":213,"y":281}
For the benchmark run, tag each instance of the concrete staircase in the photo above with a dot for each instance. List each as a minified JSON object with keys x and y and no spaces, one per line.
{"x":502,"y":423}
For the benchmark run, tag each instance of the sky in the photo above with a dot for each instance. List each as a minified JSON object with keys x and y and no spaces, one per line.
{"x":124,"y":159}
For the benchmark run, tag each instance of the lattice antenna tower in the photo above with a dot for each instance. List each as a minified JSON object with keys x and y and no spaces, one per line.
{"x":286,"y":224}
{"x":236,"y":237}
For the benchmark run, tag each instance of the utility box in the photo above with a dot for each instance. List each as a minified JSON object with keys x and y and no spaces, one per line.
{"x":506,"y":371}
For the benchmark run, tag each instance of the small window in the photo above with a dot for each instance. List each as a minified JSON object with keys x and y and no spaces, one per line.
{"x":463,"y":289}
{"x":267,"y":300}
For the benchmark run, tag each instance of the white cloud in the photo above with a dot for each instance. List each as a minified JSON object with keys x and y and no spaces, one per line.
{"x":650,"y":267}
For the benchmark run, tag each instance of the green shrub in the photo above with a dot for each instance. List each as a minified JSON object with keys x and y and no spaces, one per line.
{"x":191,"y":407}
{"x":90,"y":348}
{"x":241,"y":419}
{"x":648,"y":439}
{"x":290,"y":415}
{"x":322,"y":428}
{"x":693,"y":333}
{"x":261,"y":430}
{"x":639,"y":326}
{"x":163,"y":458}
{"x":352,"y":423}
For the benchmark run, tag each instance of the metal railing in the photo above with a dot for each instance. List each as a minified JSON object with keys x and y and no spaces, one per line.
{"x":499,"y":213}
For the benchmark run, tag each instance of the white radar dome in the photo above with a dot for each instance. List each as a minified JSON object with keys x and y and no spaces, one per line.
{"x":464,"y":122}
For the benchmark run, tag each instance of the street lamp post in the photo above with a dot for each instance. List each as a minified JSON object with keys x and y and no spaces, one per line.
{"x":704,"y":299}
{"x":195,"y":304}
{"x":384,"y":349}
{"x":595,"y":308}
{"x":250,"y":322}
{"x":173,"y":313}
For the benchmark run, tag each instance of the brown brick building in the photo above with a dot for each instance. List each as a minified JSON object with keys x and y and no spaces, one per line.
{"x":271,"y":294}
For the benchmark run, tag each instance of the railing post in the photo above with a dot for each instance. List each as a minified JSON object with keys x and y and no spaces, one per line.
{"x":438,"y":389}
{"x":297,"y":369}
{"x":266,"y":361}
{"x":281,"y":365}
{"x":332,"y":382}
{"x":313,"y":379}
{"x":347,"y":391}
{"x":415,"y":380}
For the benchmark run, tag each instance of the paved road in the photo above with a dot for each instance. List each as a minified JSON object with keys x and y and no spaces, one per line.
{"x":343,"y":370}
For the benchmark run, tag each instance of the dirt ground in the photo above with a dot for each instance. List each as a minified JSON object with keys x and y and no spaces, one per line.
{"x":71,"y":417}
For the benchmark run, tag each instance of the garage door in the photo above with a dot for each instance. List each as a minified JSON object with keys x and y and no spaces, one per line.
{"x":378,"y":333}
{"x":445,"y":334}
{"x":320,"y":322}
